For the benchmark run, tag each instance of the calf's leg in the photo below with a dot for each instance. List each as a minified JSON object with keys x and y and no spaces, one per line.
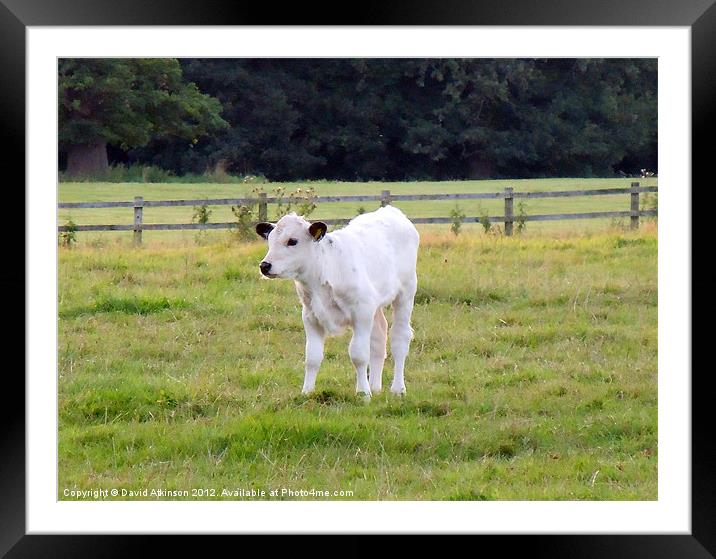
{"x":315,"y":338}
{"x":400,"y":335}
{"x":378,"y":338}
{"x":359,"y":351}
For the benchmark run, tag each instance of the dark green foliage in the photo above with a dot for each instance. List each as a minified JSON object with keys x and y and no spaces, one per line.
{"x":399,"y":119}
{"x":389,"y":119}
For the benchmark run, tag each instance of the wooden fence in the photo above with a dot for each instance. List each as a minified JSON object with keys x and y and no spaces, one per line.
{"x":262,"y":201}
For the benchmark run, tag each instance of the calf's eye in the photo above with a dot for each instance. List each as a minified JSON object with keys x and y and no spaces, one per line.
{"x":292,"y":242}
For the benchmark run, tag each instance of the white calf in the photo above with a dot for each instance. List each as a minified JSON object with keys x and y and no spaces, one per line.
{"x":344,"y":279}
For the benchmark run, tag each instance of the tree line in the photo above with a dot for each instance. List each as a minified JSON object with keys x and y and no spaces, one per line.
{"x":360,"y":119}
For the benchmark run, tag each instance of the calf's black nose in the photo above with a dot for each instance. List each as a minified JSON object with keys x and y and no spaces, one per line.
{"x":265,"y":267}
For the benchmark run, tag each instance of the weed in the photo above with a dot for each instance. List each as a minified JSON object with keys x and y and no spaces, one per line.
{"x":521,"y":215}
{"x":68,"y":237}
{"x":457,"y":216}
{"x":484,"y":219}
{"x":201,"y":215}
{"x":305,"y":201}
{"x":495,"y":231}
{"x":617,"y":224}
{"x":245,"y":215}
{"x":650,"y":201}
{"x":301,"y":201}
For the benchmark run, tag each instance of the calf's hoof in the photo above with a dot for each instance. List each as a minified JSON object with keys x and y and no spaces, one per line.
{"x":398,"y":390}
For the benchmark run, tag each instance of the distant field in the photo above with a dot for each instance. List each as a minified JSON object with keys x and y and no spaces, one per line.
{"x":532,"y":375}
{"x":85,"y":192}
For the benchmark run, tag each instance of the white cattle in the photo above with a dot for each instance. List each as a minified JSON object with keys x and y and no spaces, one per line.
{"x":344,"y":279}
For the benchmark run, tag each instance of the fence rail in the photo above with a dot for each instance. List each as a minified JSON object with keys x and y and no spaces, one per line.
{"x":262,"y":201}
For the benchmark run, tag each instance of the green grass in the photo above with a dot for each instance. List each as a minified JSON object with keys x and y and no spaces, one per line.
{"x":534,"y":365}
{"x":88,"y":192}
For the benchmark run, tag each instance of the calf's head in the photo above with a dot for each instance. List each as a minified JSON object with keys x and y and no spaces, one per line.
{"x":291,"y":246}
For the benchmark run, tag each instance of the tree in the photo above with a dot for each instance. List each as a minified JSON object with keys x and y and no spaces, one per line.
{"x":267,"y":103}
{"x":127,"y":102}
{"x":421,"y":119}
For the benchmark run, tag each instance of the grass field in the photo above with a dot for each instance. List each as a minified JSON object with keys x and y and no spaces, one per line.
{"x":90,"y":192}
{"x":532,"y":375}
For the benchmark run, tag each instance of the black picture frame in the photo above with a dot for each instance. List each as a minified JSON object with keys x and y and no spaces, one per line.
{"x":17,"y":15}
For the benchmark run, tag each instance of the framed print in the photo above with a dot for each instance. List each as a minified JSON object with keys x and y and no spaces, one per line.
{"x":112,"y":441}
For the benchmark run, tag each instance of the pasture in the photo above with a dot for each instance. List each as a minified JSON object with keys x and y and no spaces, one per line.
{"x":532,"y":374}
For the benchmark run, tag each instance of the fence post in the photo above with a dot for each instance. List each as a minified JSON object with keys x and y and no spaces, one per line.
{"x":509,"y":207}
{"x":634,"y":207}
{"x":263,"y":208}
{"x":138,"y":211}
{"x":385,"y":198}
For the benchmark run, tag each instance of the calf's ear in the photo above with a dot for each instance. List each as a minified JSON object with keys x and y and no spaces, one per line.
{"x":317,"y":230}
{"x":263,"y":229}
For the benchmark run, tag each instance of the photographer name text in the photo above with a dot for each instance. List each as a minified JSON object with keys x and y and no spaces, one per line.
{"x":203,"y":493}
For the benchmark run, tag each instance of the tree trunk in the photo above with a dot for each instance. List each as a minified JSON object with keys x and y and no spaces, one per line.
{"x":87,"y":160}
{"x":480,"y":168}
